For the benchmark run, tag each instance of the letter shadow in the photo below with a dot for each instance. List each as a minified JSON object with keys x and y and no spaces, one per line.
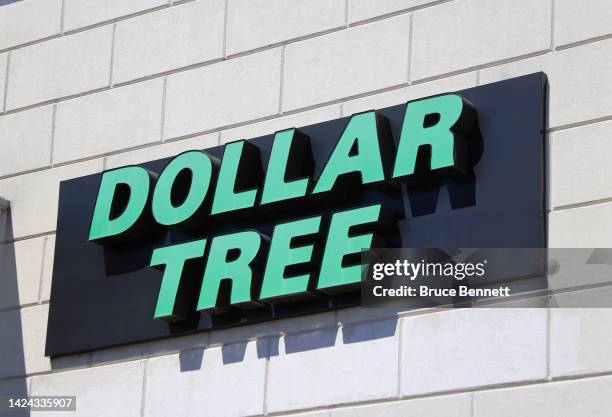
{"x":191,"y":360}
{"x":310,"y":340}
{"x":268,"y":346}
{"x":235,"y":352}
{"x":461,"y":189}
{"x":363,"y":332}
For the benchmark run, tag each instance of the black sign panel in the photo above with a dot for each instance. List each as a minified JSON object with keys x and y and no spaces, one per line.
{"x":104,"y":296}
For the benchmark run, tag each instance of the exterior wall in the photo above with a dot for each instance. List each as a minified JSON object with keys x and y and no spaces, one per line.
{"x":88,"y":85}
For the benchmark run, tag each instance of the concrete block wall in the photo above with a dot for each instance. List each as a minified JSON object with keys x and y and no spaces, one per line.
{"x":88,"y":85}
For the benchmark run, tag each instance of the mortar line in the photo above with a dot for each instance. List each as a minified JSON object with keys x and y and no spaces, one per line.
{"x":144,"y":388}
{"x":582,"y":204}
{"x":6,"y":81}
{"x":62,"y":16}
{"x":23,"y":307}
{"x":42,"y":268}
{"x":467,"y":390}
{"x":163,"y":110}
{"x":548,"y":350}
{"x":225,"y":27}
{"x":346,"y":13}
{"x":400,"y":12}
{"x":212,"y":62}
{"x":518,"y":384}
{"x":181,"y":2}
{"x":399,"y":356}
{"x":246,"y":53}
{"x":472,"y":401}
{"x":282,"y":81}
{"x":112,"y":56}
{"x":267,"y":377}
{"x":53,"y":124}
{"x":580,"y":123}
{"x":34,"y":236}
{"x":410,"y":47}
{"x":86,"y":28}
{"x":588,"y":41}
{"x":552,"y":25}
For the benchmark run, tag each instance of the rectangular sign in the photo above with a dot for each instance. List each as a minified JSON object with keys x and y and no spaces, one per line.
{"x":272,"y":227}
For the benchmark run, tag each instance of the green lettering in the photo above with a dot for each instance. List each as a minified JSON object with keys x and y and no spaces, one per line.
{"x":358,"y":151}
{"x":283,"y":164}
{"x":226,"y":197}
{"x":237,"y":270}
{"x":282,"y":254}
{"x":446,"y":149}
{"x":131,"y":183}
{"x":200,"y":167}
{"x":342,"y":242}
{"x":171,"y":306}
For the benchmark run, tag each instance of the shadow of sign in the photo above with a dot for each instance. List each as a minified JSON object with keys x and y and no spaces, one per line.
{"x":13,"y":382}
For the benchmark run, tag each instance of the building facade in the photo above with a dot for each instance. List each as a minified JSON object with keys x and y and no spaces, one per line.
{"x":87,"y":86}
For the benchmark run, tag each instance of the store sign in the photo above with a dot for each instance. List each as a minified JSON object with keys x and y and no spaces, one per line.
{"x":274,"y":226}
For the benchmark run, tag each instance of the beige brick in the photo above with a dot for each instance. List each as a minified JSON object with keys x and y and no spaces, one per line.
{"x":461,"y":349}
{"x":382,"y":311}
{"x":402,"y":95}
{"x":27,"y":134}
{"x":3,"y":67}
{"x":594,"y":298}
{"x":367,"y":9}
{"x":150,"y":348}
{"x":34,"y":199}
{"x":163,"y":150}
{"x":97,"y":124}
{"x":579,"y":79}
{"x":347,"y":63}
{"x":29,"y":20}
{"x":579,"y":163}
{"x":79,"y":13}
{"x":222,"y":94}
{"x":447,"y":406}
{"x":579,"y":341}
{"x":114,"y":390}
{"x":20,"y":272}
{"x":466,"y":33}
{"x":273,"y":329}
{"x":271,"y":126}
{"x":576,"y":21}
{"x":171,"y":38}
{"x":583,"y":227}
{"x":588,"y":397}
{"x":334,"y":366}
{"x":226,"y":381}
{"x":59,"y":68}
{"x":256,"y":23}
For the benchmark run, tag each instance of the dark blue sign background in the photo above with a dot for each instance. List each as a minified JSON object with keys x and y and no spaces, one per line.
{"x":103,"y":296}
